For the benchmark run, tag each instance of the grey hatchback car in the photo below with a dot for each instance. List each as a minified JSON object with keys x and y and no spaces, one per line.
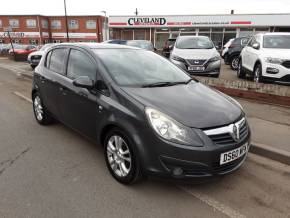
{"x":150,"y":116}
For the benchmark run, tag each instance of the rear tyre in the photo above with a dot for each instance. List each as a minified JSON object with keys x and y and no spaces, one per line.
{"x":41,"y":114}
{"x":234,"y":62}
{"x":240,"y":71}
{"x":120,"y":158}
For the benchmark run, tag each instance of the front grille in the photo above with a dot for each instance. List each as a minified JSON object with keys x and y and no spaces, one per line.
{"x":286,"y":64}
{"x":226,"y":138}
{"x":196,"y":62}
{"x":285,"y":78}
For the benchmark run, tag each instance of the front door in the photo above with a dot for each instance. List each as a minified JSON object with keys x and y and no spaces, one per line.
{"x":78,"y":106}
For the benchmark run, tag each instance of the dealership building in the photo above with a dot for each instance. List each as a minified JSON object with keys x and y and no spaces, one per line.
{"x":39,"y":29}
{"x":220,"y":28}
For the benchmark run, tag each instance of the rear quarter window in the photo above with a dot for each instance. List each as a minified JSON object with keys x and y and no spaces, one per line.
{"x":56,"y":60}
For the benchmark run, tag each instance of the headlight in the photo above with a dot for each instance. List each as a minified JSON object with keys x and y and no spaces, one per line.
{"x":172,"y":130}
{"x":274,"y":60}
{"x":216,"y":58}
{"x":176,"y":58}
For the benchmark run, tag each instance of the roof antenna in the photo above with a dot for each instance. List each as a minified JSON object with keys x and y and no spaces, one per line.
{"x":136,"y":12}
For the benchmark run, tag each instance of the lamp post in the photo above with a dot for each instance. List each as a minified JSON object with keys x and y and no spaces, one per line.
{"x":105,"y":24}
{"x":66,"y":22}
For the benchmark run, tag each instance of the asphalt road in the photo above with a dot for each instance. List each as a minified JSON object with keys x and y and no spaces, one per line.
{"x":54,"y":172}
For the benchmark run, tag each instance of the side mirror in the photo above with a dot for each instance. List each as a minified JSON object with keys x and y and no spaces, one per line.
{"x":83,"y":82}
{"x":256,"y":46}
{"x":102,"y":87}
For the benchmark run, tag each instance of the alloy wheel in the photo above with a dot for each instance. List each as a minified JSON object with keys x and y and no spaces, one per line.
{"x":257,"y":74}
{"x":38,"y":109}
{"x":119,"y":156}
{"x":235,"y":63}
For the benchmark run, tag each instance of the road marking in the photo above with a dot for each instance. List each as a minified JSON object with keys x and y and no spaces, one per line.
{"x":22,"y":96}
{"x":213,"y":203}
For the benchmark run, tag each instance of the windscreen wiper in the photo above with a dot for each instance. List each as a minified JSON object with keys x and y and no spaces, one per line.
{"x":157,"y":84}
{"x":160,"y":84}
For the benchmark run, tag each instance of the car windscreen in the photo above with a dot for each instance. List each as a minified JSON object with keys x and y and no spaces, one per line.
{"x":277,"y":41}
{"x":194,"y":43}
{"x":137,"y":68}
{"x":141,"y":44}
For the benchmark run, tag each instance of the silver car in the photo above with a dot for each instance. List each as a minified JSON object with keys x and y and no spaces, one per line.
{"x":197,"y":55}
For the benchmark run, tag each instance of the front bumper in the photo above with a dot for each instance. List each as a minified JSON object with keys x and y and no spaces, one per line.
{"x":163,"y":158}
{"x":211,"y":68}
{"x":283,"y":74}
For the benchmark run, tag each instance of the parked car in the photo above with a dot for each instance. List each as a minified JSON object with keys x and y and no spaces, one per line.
{"x":197,"y":55}
{"x":266,"y":57}
{"x":144,"y":44}
{"x":150,"y":116}
{"x":23,"y":49}
{"x":226,"y":48}
{"x":34,"y":58}
{"x":234,"y":51}
{"x":168,"y":46}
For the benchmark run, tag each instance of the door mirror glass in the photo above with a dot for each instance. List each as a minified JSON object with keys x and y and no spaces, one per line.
{"x":102,"y":87}
{"x":256,"y":45}
{"x":83,"y":82}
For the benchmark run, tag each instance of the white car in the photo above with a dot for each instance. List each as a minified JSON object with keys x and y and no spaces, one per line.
{"x":34,"y":58}
{"x":226,"y":47}
{"x":266,"y":57}
{"x":197,"y":55}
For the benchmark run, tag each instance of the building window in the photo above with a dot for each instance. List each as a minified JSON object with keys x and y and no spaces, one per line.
{"x":31,"y":23}
{"x":14,"y":23}
{"x":55,"y":24}
{"x":56,"y":41}
{"x":91,"y":24}
{"x":0,"y":23}
{"x":44,"y":24}
{"x":73,"y":24}
{"x":33,"y":41}
{"x":16,"y":41}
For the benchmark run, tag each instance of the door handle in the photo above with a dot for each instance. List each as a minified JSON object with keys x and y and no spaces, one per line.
{"x":83,"y":94}
{"x":63,"y":90}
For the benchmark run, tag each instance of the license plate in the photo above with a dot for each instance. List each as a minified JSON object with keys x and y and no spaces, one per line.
{"x":192,"y":68}
{"x":233,"y":154}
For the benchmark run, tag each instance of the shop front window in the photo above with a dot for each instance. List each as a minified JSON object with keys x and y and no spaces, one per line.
{"x":217,"y":39}
{"x":139,"y":34}
{"x":246,"y":32}
{"x":161,"y":39}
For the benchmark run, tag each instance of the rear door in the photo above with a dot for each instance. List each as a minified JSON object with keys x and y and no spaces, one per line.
{"x":53,"y":71}
{"x":78,"y":106}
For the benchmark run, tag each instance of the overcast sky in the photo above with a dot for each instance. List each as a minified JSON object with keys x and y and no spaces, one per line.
{"x":145,"y":7}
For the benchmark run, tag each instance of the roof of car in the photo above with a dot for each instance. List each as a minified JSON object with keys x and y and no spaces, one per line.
{"x":275,"y":33}
{"x":94,"y":45}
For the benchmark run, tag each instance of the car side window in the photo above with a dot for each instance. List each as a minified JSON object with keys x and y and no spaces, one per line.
{"x":57,"y":59}
{"x":80,"y":64}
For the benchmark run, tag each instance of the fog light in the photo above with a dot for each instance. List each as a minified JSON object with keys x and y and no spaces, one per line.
{"x":272,"y":70}
{"x":177,"y":171}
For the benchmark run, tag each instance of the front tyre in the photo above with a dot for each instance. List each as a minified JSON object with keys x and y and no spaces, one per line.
{"x":120,"y":158}
{"x":257,"y":73}
{"x":41,"y":114}
{"x":234,"y":62}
